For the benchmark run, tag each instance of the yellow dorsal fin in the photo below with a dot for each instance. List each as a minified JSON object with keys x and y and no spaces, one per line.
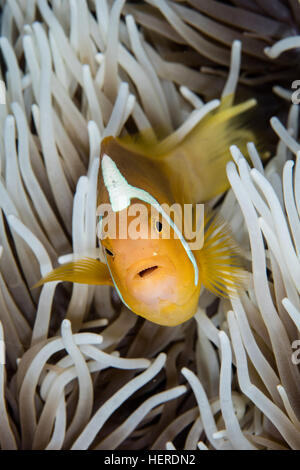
{"x":84,"y":271}
{"x":219,"y":260}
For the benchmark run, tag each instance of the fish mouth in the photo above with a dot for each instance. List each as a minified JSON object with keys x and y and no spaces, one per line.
{"x":153,"y":285}
{"x":152,"y":280}
{"x":150,"y":268}
{"x":147,"y":271}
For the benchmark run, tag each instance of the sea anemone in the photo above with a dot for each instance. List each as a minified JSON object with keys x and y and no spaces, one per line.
{"x":78,"y":370}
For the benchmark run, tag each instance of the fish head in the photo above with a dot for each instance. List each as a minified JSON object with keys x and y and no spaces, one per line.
{"x":149,"y":264}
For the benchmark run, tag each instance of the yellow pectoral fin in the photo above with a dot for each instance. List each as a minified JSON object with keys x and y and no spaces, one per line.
{"x":219,"y":260}
{"x":85,"y":271}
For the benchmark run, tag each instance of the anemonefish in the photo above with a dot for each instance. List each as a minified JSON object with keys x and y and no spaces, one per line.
{"x":160,"y":277}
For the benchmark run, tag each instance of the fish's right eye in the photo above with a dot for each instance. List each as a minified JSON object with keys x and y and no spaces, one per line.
{"x":110,"y":253}
{"x":158,"y":226}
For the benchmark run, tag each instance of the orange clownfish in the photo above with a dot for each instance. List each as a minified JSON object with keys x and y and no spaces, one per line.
{"x":159,"y":273}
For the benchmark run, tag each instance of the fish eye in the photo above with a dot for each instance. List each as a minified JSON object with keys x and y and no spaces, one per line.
{"x":158,"y":226}
{"x":110,"y":253}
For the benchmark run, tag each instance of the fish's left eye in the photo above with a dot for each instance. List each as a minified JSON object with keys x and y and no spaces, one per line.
{"x":110,"y":253}
{"x":158,"y":226}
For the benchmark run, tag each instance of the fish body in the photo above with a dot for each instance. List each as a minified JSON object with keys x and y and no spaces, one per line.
{"x":146,"y":270}
{"x":156,"y":268}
